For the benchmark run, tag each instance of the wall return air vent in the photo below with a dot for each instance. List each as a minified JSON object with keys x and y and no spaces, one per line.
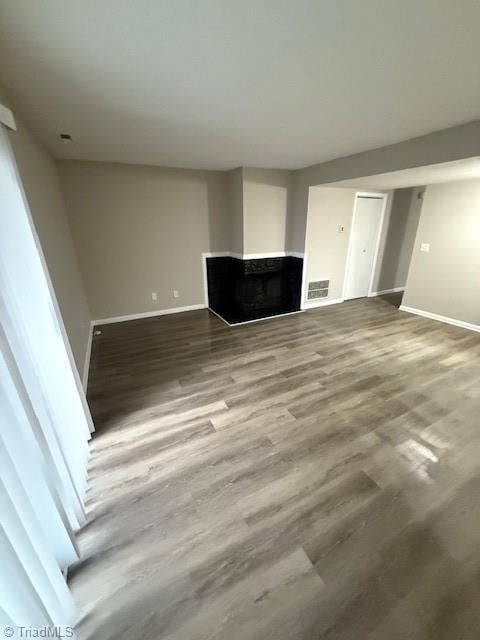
{"x":318,"y":289}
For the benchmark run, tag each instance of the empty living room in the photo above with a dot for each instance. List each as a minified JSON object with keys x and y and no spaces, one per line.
{"x":240,"y":319}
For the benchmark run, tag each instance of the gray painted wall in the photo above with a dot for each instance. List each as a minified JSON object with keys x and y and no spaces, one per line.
{"x":326,"y":248}
{"x":141,"y":229}
{"x":235,"y":241}
{"x":265,"y":209}
{"x":258,"y":201}
{"x":446,"y":280}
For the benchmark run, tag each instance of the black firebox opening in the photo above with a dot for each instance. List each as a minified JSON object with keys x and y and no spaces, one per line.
{"x":241,"y":290}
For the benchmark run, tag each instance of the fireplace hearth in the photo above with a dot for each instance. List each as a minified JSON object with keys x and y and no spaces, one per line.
{"x":243,"y":290}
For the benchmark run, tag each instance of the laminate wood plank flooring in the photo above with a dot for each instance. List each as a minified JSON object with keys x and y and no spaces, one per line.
{"x":314,"y":476}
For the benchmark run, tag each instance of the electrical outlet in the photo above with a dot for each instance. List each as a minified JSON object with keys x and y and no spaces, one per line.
{"x":176,"y":294}
{"x":154,"y":295}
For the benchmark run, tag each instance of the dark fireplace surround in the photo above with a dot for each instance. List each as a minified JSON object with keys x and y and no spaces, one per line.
{"x":242,"y":290}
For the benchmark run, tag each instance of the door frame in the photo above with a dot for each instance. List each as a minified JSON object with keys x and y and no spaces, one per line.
{"x":369,"y":194}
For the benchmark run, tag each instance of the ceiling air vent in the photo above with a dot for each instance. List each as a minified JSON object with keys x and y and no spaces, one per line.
{"x":318,"y":289}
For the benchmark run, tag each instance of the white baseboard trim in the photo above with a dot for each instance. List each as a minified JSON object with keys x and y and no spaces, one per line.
{"x":253,"y":256}
{"x":86,"y":364}
{"x":240,"y":324}
{"x":257,"y":256}
{"x":385,"y":291}
{"x":446,"y":319}
{"x":322,"y":303}
{"x":219,"y":316}
{"x":147,"y":314}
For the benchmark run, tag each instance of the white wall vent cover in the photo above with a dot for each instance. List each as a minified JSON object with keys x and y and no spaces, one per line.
{"x":318,"y":289}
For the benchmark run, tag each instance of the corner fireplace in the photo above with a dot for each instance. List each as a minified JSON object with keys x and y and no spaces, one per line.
{"x":243,"y":290}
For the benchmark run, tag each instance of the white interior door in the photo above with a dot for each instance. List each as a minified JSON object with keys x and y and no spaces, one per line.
{"x":365,"y":232}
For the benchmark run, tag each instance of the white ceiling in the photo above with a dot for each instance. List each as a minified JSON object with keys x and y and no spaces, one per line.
{"x":223,"y":83}
{"x":417,"y":177}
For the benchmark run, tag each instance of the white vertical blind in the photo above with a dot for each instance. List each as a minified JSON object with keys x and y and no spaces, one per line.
{"x":44,"y":424}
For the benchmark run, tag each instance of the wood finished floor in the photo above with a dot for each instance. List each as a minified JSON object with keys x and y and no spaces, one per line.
{"x":310,"y":477}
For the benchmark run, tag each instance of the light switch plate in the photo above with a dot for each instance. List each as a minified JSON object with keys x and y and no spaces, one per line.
{"x":425,"y":247}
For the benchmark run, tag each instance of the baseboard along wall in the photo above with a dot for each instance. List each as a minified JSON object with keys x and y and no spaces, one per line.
{"x":86,"y":364}
{"x":321,"y":303}
{"x":386,"y":291}
{"x":148,"y":314}
{"x":439,"y":318}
